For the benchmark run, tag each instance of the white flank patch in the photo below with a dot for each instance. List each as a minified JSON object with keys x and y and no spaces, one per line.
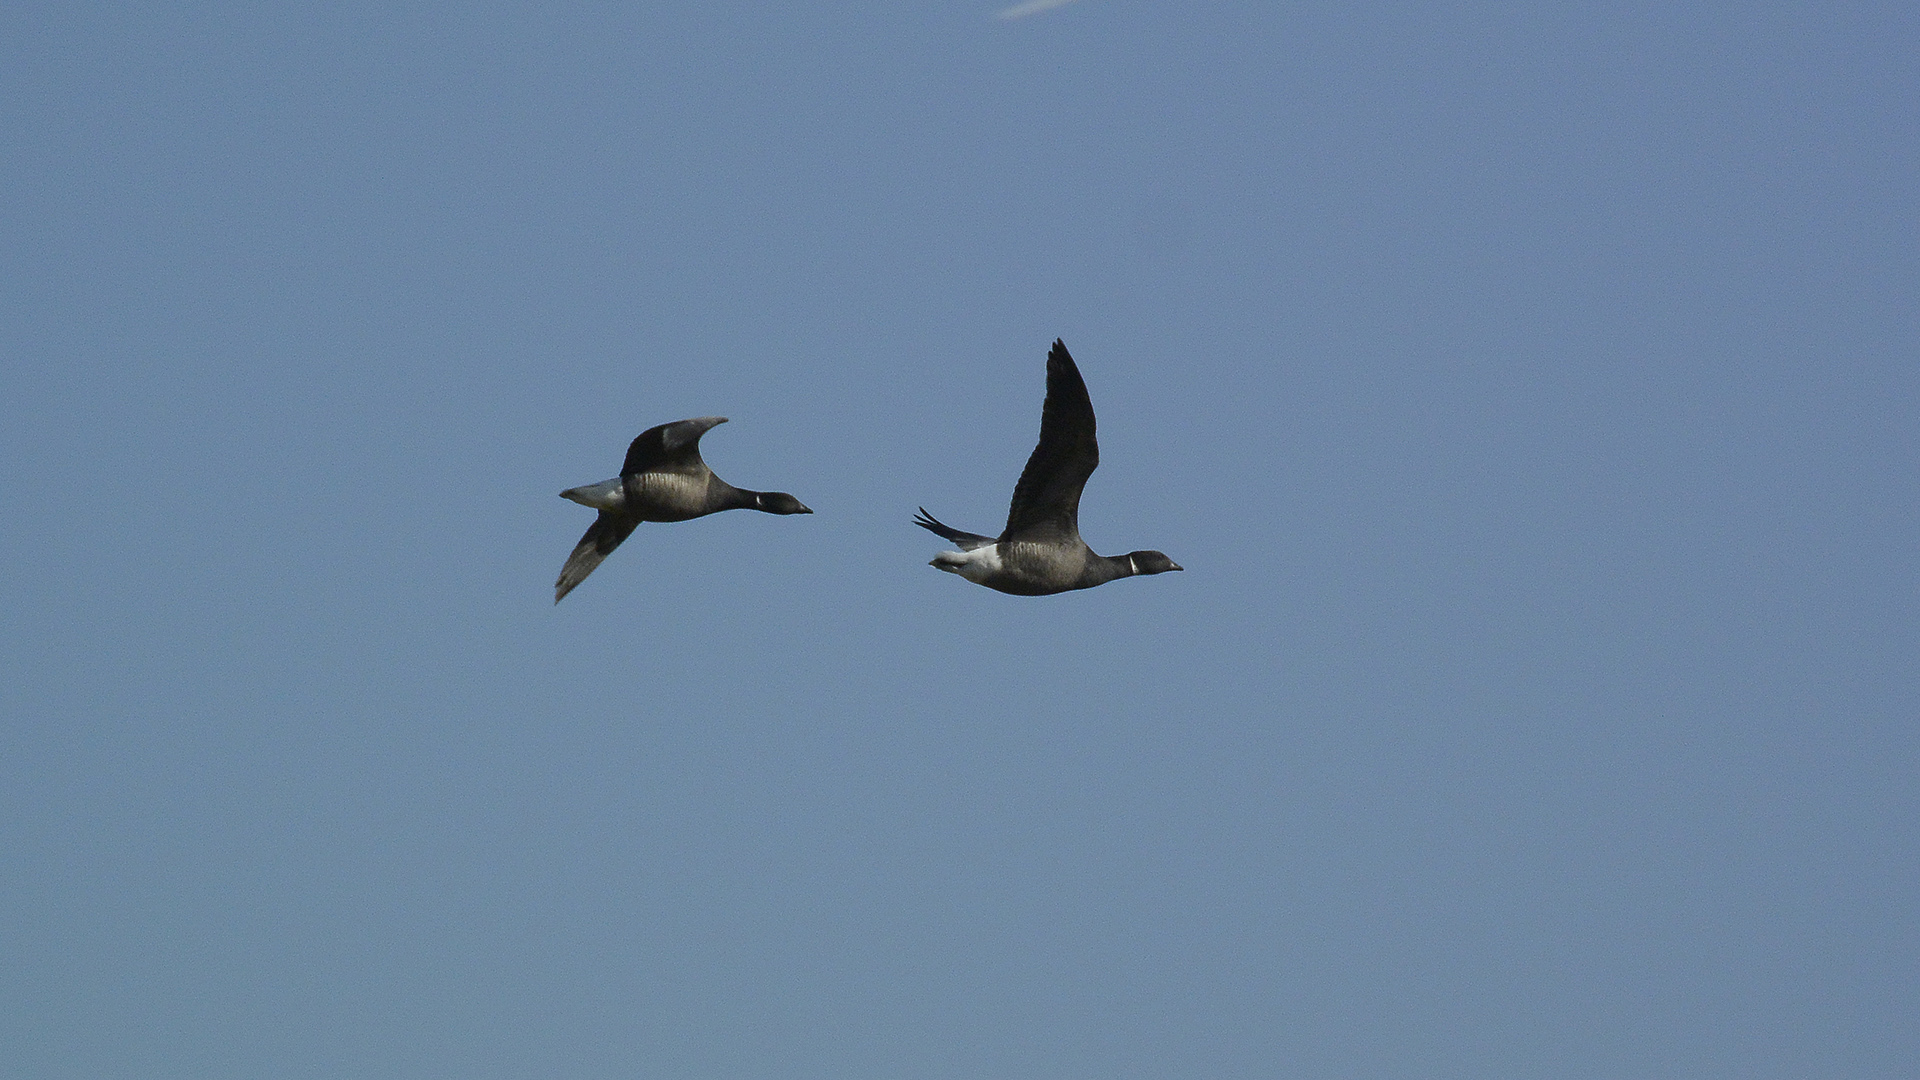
{"x":982,"y":563}
{"x":1031,"y":7}
{"x":605,"y":495}
{"x":976,"y":566}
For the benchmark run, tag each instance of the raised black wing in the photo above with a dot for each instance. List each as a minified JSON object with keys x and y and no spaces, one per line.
{"x":605,"y":534}
{"x":674,"y":447}
{"x":1046,"y":501}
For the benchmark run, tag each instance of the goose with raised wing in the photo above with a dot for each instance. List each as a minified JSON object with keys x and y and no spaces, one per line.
{"x":663,"y":479}
{"x":1040,"y":551}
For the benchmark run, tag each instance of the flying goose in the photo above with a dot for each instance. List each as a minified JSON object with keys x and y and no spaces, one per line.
{"x":663,"y":480}
{"x":1040,"y":551}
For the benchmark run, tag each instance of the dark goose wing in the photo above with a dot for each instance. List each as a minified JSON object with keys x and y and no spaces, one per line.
{"x":671,"y":447}
{"x":605,"y":534}
{"x":1046,"y":501}
{"x":965,"y":540}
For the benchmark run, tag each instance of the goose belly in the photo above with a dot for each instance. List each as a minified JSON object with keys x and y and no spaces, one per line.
{"x":1020,"y":569}
{"x":669,"y":496}
{"x":1044,"y":568}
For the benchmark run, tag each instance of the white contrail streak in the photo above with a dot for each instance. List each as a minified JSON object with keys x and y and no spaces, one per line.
{"x":1031,"y":7}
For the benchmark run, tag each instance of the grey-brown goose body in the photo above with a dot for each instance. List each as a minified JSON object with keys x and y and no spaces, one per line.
{"x":662,"y":479}
{"x":1040,"y":551}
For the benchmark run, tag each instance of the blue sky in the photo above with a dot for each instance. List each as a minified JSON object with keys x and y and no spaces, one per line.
{"x":1530,"y":392}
